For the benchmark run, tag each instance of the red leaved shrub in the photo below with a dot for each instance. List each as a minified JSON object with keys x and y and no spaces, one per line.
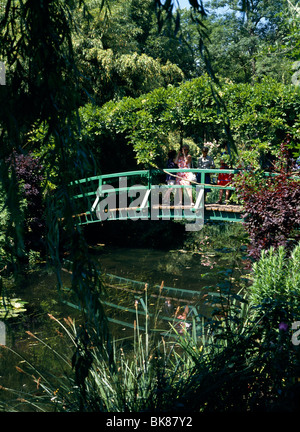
{"x":271,"y":210}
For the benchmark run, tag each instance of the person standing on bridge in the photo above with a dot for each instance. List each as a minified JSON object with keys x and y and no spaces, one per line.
{"x":170,"y":178}
{"x":223,"y":180}
{"x":184,"y":160}
{"x":205,"y":162}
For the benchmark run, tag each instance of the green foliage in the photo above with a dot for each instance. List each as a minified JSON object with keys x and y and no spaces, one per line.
{"x":289,"y":28}
{"x":12,"y":212}
{"x":11,"y":307}
{"x":260,"y":116}
{"x":44,"y":87}
{"x":276,"y":282}
{"x":248,"y":40}
{"x":121,"y":52}
{"x":114,"y":76}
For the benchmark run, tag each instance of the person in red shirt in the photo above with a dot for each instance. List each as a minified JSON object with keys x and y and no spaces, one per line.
{"x":223,"y":180}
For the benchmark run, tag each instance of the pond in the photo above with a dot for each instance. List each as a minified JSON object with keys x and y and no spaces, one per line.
{"x":176,"y":268}
{"x":188,"y":268}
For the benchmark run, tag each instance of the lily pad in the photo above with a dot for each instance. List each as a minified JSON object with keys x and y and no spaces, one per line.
{"x":11,"y":307}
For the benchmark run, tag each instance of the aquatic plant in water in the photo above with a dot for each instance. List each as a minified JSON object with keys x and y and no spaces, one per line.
{"x":11,"y":307}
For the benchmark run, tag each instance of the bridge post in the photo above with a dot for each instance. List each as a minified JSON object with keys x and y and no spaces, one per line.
{"x":149,"y":178}
{"x":98,"y":192}
{"x":123,"y":213}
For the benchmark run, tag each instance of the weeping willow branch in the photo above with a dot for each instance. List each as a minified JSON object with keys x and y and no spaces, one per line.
{"x":43,"y":86}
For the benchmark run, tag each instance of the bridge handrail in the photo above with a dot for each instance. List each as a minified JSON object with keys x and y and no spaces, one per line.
{"x":112,"y":175}
{"x":171,"y":170}
{"x":147,"y":173}
{"x":210,"y":170}
{"x":102,"y":178}
{"x":92,"y":192}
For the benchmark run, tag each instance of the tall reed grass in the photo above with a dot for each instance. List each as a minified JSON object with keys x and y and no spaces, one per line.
{"x":158,"y":372}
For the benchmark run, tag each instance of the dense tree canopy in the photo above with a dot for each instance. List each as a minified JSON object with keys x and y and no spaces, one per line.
{"x":248,"y":43}
{"x":260,"y":118}
{"x":126,"y":49}
{"x":123,"y":54}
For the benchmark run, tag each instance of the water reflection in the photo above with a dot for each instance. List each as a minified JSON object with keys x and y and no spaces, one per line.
{"x":176,"y":268}
{"x":180,"y":269}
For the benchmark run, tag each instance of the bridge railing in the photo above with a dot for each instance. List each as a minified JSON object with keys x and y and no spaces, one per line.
{"x":88,"y":186}
{"x":89,"y":192}
{"x":201,"y":174}
{"x":86,"y":191}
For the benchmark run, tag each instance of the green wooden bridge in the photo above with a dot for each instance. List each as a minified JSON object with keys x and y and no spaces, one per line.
{"x":144,"y":195}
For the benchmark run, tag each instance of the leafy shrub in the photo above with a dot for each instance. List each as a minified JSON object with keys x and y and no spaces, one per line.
{"x":29,"y":173}
{"x":276,"y":281}
{"x":271,"y":210}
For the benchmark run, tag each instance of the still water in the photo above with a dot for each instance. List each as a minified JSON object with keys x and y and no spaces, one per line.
{"x":182,"y":269}
{"x":175,"y":268}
